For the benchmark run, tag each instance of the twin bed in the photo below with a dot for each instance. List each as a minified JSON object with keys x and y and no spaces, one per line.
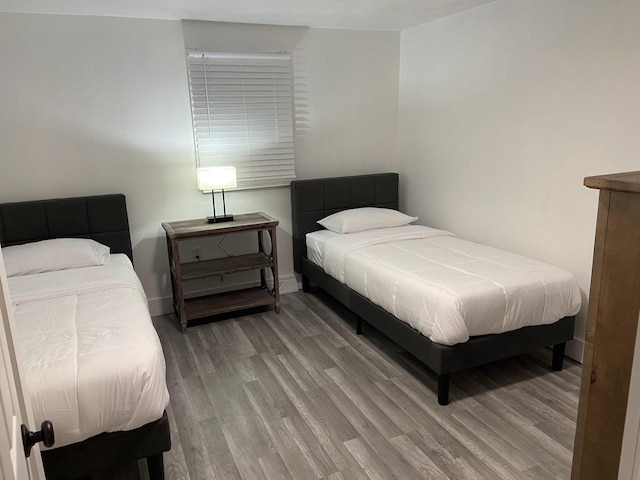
{"x":451,"y":303}
{"x":92,"y":358}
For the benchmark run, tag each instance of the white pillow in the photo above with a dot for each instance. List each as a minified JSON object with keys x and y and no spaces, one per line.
{"x":366,"y":218}
{"x":51,"y":255}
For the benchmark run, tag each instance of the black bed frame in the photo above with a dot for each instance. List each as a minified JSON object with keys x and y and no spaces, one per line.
{"x":102,"y":218}
{"x":312,"y":200}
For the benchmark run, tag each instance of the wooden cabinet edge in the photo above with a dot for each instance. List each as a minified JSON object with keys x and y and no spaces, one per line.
{"x":622,"y":190}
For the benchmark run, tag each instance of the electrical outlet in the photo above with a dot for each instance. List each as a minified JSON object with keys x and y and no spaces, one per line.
{"x":196,"y":253}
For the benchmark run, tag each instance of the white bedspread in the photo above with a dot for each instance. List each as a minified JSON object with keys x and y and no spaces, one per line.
{"x":447,"y":288}
{"x":91,"y":355}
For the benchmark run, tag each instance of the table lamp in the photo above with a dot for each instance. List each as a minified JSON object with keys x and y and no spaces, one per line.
{"x":217,"y":178}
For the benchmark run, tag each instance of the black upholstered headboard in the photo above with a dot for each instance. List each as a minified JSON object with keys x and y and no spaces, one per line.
{"x":102,"y":218}
{"x":312,"y":200}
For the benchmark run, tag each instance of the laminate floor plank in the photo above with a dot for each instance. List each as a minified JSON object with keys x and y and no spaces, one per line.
{"x":260,"y":402}
{"x":365,"y":404}
{"x":327,"y":439}
{"x":311,"y":348}
{"x":300,"y":396}
{"x":551,"y":455}
{"x":367,"y":428}
{"x":442,"y":456}
{"x":353,"y":473}
{"x":174,"y":375}
{"x":207,"y":336}
{"x":196,"y":347}
{"x":245,"y":368}
{"x":274,"y":391}
{"x":314,"y":321}
{"x":403,"y":421}
{"x":298,"y":465}
{"x":350,"y":360}
{"x":417,"y":458}
{"x":488,"y":462}
{"x":563,"y":431}
{"x":174,"y":461}
{"x":191,"y":437}
{"x":518,"y":459}
{"x":294,"y":302}
{"x":182,"y":356}
{"x":560,"y":401}
{"x":273,"y":467}
{"x":333,"y":418}
{"x":305,"y":322}
{"x":221,"y":458}
{"x":377,"y":358}
{"x":198,"y":398}
{"x":225,"y":390}
{"x":368,"y":460}
{"x":261,"y":336}
{"x":315,"y":456}
{"x":303,"y":380}
{"x":288,"y":322}
{"x":407,"y":404}
{"x":248,"y":442}
{"x":307,"y":362}
{"x":544,"y":449}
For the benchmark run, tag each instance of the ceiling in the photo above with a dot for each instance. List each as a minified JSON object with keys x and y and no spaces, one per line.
{"x":391,"y":15}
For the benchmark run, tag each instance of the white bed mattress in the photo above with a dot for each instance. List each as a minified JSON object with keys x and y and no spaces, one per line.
{"x":92,"y":357}
{"x":446,"y":288}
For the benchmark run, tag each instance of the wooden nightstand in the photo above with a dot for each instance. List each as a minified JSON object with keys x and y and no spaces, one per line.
{"x":204,"y":306}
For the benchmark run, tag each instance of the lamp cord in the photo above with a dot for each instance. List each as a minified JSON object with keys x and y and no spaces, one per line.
{"x":222,"y":248}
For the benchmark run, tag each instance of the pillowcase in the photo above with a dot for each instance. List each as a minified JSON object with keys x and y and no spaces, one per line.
{"x":51,"y":255}
{"x":363,"y":219}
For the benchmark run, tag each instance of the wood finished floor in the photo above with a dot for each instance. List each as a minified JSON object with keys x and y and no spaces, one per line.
{"x":300,"y":396}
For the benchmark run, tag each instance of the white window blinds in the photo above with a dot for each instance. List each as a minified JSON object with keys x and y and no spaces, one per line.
{"x":243,"y":115}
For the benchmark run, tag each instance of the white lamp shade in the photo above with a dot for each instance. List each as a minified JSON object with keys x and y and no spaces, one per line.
{"x":216,"y":178}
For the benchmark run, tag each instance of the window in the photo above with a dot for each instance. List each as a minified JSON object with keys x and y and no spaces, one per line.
{"x":243,"y":115}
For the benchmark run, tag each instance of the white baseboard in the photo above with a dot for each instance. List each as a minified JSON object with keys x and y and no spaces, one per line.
{"x":160,"y":306}
{"x":575,"y":349}
{"x":289,"y":284}
{"x":164,"y":305}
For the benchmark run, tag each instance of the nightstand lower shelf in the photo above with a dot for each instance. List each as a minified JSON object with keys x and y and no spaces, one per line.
{"x":218,"y":303}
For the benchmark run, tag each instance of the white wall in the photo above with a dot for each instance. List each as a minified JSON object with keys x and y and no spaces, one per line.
{"x":505,"y":108}
{"x":93,"y":105}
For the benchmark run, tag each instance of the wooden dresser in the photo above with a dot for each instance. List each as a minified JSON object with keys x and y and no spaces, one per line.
{"x":614,"y":304}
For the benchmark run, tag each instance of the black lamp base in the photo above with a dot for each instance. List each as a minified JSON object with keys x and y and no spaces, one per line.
{"x":224,"y":218}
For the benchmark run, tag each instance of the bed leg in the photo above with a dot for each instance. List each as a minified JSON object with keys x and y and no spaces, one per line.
{"x":306,"y":285}
{"x":358,"y":325}
{"x":558,"y":356}
{"x":155,"y":465}
{"x":443,"y":388}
